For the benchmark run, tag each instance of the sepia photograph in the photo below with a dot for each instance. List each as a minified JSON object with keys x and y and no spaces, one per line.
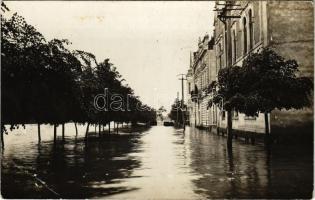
{"x":157,"y":100}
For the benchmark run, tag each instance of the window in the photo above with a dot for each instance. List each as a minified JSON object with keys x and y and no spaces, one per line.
{"x":201,"y":81}
{"x":247,"y":117}
{"x":227,"y":57}
{"x":234,"y":46}
{"x":189,"y":88}
{"x":220,"y":55}
{"x":219,"y":48}
{"x":235,"y":115}
{"x":250,"y":23}
{"x":206,"y":79}
{"x":223,"y":115}
{"x":244,"y":36}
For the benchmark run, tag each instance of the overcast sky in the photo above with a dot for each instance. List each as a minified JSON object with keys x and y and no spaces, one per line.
{"x":148,"y":42}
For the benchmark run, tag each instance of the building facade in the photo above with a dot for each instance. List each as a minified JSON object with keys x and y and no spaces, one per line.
{"x":201,"y":73}
{"x":245,"y":27}
{"x":242,"y":28}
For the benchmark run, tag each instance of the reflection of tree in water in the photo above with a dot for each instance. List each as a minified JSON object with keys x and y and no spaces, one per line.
{"x":225,"y":174}
{"x":18,"y":170}
{"x":208,"y":163}
{"x":290,"y":171}
{"x":74,"y":169}
{"x":249,"y":172}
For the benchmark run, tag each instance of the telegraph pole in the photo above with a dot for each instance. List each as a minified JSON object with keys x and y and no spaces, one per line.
{"x":182,"y":106}
{"x":177,"y":109}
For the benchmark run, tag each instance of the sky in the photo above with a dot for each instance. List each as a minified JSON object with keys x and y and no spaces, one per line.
{"x":148,"y":42}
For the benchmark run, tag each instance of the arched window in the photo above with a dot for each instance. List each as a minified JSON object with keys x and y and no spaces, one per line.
{"x":250,"y":23}
{"x":234,"y":46}
{"x":220,"y":55}
{"x":244,"y":36}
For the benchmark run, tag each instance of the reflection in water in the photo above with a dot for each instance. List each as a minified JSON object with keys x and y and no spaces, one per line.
{"x":160,"y":163}
{"x":250,"y":171}
{"x":69,"y":169}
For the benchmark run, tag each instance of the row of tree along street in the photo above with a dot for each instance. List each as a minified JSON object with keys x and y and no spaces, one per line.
{"x":266,"y":81}
{"x":44,"y":82}
{"x":178,"y":112}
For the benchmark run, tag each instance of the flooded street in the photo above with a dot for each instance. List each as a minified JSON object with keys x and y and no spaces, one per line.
{"x":158,"y":163}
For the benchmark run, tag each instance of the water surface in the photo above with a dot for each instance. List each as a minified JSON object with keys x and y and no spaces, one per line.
{"x":158,"y":163}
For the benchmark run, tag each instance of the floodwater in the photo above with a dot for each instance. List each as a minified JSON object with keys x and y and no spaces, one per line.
{"x":157,"y":163}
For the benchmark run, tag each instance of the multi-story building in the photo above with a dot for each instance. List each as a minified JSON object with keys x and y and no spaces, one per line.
{"x":201,"y":73}
{"x":244,"y":27}
{"x":189,"y":102}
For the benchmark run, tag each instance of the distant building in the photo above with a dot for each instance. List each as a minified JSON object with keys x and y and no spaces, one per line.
{"x":201,"y":73}
{"x":244,"y":27}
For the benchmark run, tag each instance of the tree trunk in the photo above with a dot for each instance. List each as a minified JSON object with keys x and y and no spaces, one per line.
{"x":109,"y":128}
{"x":95,"y":128}
{"x":99,"y":129}
{"x":76,"y":129}
{"x":117,"y":128}
{"x":229,"y":130}
{"x":267,"y":131}
{"x":130,"y":126}
{"x":63,"y":131}
{"x":55,"y":133}
{"x":2,"y":139}
{"x":267,"y":124}
{"x":86,"y":132}
{"x":38,"y":128}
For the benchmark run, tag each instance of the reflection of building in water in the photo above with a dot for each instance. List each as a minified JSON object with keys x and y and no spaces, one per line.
{"x":250,"y":172}
{"x":245,"y":27}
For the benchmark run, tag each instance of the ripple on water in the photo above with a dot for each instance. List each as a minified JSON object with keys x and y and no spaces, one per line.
{"x":161,"y":163}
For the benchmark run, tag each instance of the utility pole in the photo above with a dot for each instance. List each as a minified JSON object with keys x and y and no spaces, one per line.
{"x":225,"y":15}
{"x":177,"y":109}
{"x":182,"y":106}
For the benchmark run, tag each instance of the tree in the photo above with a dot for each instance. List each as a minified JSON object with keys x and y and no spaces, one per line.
{"x":228,"y":95}
{"x":265,"y":82}
{"x":22,"y":57}
{"x":271,"y":82}
{"x":176,"y":113}
{"x":39,"y":78}
{"x":160,"y":112}
{"x":44,"y":82}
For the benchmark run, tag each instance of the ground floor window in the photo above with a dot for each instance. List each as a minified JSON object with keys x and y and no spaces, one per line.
{"x":223,"y":115}
{"x":247,"y":117}
{"x":235,"y":115}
